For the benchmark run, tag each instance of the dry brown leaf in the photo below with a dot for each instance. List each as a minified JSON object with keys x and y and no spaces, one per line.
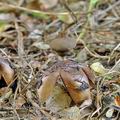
{"x":58,"y":100}
{"x":117,"y":100}
{"x":35,"y":64}
{"x":74,"y":78}
{"x":77,"y":92}
{"x":19,"y":102}
{"x":48,"y":84}
{"x":48,"y":4}
{"x":89,"y":74}
{"x":34,"y":5}
{"x":4,"y":90}
{"x":61,"y":43}
{"x":72,"y":113}
{"x":5,"y":94}
{"x":6,"y":71}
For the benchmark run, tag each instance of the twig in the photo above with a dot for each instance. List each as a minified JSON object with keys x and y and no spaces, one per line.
{"x":3,"y":34}
{"x":107,"y":10}
{"x":116,"y":65}
{"x":16,"y":113}
{"x":35,"y":11}
{"x":114,"y":51}
{"x":6,"y":96}
{"x":96,"y":111}
{"x":92,"y":54}
{"x":19,"y":41}
{"x":16,"y":91}
{"x":29,"y":97}
{"x":64,"y":2}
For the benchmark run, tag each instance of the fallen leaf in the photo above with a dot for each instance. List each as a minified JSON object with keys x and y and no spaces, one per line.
{"x":89,"y":74}
{"x":39,"y":14}
{"x":4,"y":90}
{"x":34,"y":5}
{"x":5,"y":94}
{"x":66,"y":18}
{"x":78,"y":90}
{"x":98,"y":68}
{"x":62,"y":43}
{"x":35,"y":34}
{"x":82,"y":56}
{"x":2,"y":26}
{"x":41,"y":45}
{"x":47,"y":86}
{"x":19,"y":102}
{"x":73,"y":78}
{"x":58,"y":100}
{"x":109,"y":113}
{"x":6,"y":71}
{"x":48,"y":4}
{"x":35,"y":64}
{"x":117,"y":100}
{"x":6,"y":17}
{"x":72,"y":113}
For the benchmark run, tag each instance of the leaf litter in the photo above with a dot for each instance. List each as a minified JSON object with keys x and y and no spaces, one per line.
{"x":27,"y":60}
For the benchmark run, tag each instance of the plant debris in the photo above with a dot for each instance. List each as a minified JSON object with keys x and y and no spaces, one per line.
{"x":60,"y":59}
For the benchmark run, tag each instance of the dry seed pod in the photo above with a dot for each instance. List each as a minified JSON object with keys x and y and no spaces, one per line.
{"x":6,"y":71}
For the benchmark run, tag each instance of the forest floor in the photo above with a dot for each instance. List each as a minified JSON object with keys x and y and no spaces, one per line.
{"x":26,"y":31}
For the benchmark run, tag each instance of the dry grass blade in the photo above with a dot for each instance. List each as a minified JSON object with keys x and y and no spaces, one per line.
{"x":19,"y":41}
{"x":34,"y":11}
{"x":64,"y":80}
